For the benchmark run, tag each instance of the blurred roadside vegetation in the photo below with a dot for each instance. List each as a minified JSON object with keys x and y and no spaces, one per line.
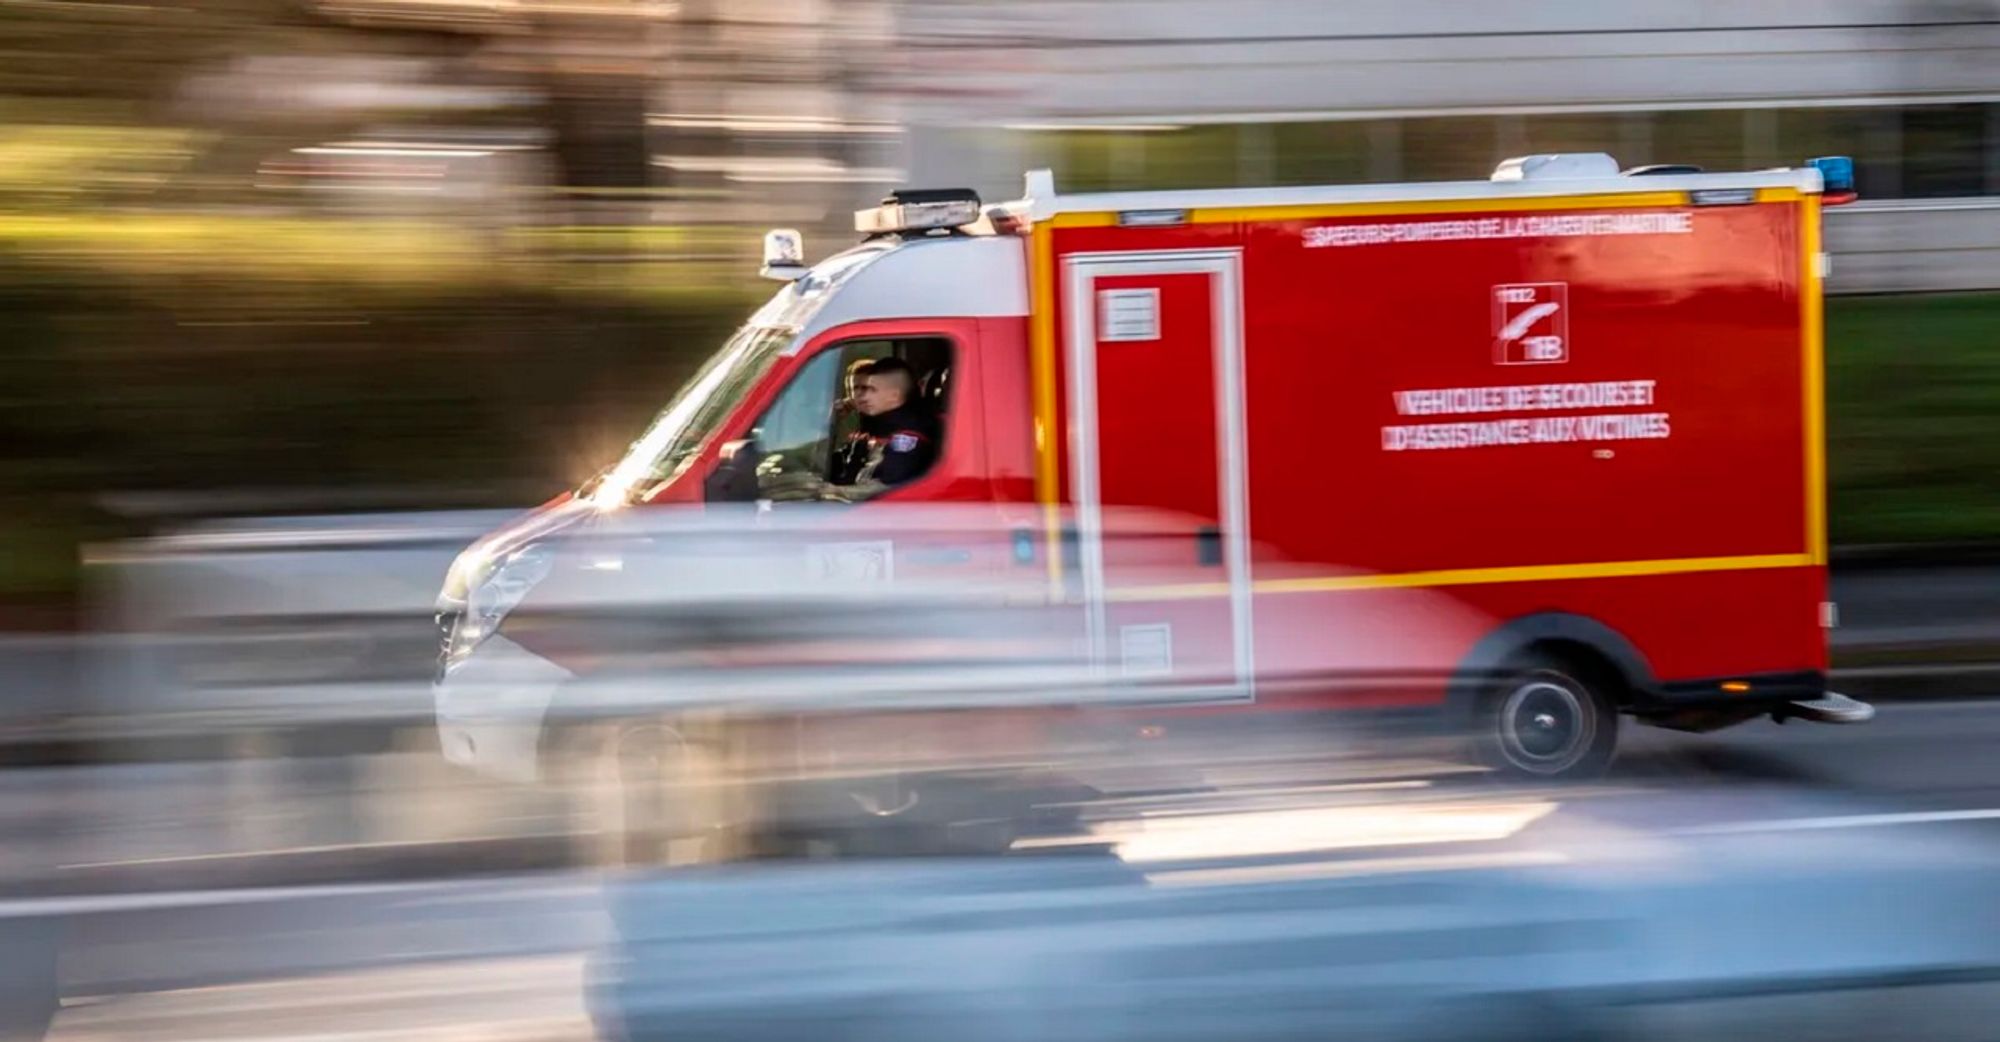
{"x":165,"y":349}
{"x":197,"y":295}
{"x":162,"y":336}
{"x":1913,"y":387}
{"x":158,"y":353}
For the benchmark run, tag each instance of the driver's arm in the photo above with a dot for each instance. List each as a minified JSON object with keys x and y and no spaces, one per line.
{"x":867,"y":488}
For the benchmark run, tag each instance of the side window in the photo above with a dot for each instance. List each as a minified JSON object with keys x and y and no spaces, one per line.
{"x":793,"y":429}
{"x":833,"y":433}
{"x":793,"y":436}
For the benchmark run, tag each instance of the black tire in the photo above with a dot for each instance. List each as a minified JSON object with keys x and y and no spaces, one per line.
{"x":1547,"y":719}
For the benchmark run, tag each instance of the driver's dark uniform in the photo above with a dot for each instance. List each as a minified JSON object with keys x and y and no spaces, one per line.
{"x":896,"y":447}
{"x":851,"y":453}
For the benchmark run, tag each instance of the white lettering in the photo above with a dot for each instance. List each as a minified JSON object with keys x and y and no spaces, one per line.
{"x":1548,"y":430}
{"x":1679,"y":222}
{"x":1606,"y":394}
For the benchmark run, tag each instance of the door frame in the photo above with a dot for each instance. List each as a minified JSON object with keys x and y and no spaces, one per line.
{"x":1224,"y":266}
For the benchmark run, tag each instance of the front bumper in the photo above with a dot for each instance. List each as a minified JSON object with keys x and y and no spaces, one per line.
{"x":492,"y":707}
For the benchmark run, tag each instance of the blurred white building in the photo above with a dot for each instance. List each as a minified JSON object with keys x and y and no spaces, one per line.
{"x":762,"y":112}
{"x":1193,"y":92}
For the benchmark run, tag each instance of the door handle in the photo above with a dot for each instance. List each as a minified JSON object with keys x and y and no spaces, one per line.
{"x":1208,"y":545}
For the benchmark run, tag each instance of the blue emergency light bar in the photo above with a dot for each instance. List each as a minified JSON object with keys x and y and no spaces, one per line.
{"x":1836,"y":174}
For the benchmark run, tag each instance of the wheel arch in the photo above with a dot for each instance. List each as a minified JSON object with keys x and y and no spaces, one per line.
{"x":1579,"y":639}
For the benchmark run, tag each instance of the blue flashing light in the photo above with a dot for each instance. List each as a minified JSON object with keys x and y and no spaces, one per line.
{"x":1836,"y":172}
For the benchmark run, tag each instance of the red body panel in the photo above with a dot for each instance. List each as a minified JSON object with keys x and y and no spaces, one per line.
{"x":1685,"y":440}
{"x":1156,"y":406}
{"x":1712,"y":318}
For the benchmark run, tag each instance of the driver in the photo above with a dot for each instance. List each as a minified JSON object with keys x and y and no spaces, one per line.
{"x":902,"y":436}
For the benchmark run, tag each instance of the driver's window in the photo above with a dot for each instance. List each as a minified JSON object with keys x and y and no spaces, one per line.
{"x":793,"y":436}
{"x":811,"y":442}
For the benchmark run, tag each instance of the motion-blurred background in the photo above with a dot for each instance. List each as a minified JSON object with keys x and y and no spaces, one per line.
{"x":279,"y":256}
{"x":369,"y":257}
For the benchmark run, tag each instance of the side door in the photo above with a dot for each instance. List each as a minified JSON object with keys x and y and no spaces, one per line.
{"x":1157,"y":451}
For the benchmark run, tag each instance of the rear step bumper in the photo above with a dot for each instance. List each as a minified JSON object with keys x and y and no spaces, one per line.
{"x":1829,"y":708}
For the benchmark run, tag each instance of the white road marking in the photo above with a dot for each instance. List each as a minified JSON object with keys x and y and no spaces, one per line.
{"x":463,"y":890}
{"x":1308,"y":830}
{"x":1842,"y":821}
{"x":300,"y":851}
{"x":536,"y":999}
{"x":1295,"y":871}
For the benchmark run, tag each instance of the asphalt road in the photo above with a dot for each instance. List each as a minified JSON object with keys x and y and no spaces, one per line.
{"x":505,"y":958}
{"x":1935,"y":754}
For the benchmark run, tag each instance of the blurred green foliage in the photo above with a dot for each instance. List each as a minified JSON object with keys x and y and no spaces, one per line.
{"x":151,"y":345}
{"x":164,"y":352}
{"x":58,"y":165}
{"x":1913,"y":387}
{"x":160,"y":353}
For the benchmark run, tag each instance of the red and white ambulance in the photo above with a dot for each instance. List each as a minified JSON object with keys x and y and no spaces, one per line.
{"x":1582,"y":402}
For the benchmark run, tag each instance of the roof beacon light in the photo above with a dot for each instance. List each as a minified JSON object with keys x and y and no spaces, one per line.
{"x":1008,"y":218}
{"x":1836,"y":174}
{"x":920,"y":211}
{"x":784,"y":255}
{"x":1556,"y":166}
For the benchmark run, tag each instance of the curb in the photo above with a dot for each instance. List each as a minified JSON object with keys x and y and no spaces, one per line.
{"x":1866,"y":556}
{"x":326,"y":866}
{"x":1962,"y":682}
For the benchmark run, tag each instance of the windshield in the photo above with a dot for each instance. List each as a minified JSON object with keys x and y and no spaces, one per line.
{"x":694,"y":414}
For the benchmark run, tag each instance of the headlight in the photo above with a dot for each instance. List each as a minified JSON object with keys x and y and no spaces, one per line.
{"x":495,"y":594}
{"x":467,"y":570}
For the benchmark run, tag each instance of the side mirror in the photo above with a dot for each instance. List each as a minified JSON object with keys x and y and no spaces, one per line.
{"x":734,"y":479}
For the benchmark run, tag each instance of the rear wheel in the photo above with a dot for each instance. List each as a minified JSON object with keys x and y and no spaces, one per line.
{"x":1547,"y":718}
